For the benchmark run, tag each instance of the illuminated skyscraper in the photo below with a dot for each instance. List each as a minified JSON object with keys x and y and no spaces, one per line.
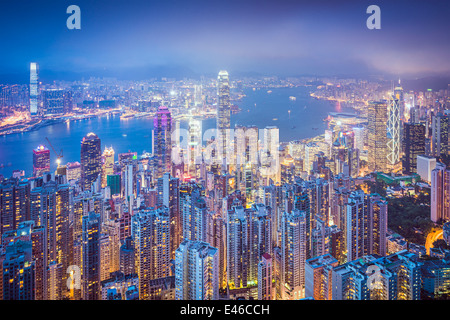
{"x":34,"y":89}
{"x":223,"y":110}
{"x":393,"y":133}
{"x":91,"y":160}
{"x":169,"y":196}
{"x":413,"y":146}
{"x":440,"y":129}
{"x":41,"y":161}
{"x":91,"y":257}
{"x":293,"y":255}
{"x":150,"y":230}
{"x":265,"y":277}
{"x":377,"y":136}
{"x":366,"y":225}
{"x":107,"y":164}
{"x":440,"y":193}
{"x":162,"y":140}
{"x":196,"y":271}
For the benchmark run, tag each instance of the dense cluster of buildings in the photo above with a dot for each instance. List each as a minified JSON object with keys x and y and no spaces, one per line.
{"x":242,"y":217}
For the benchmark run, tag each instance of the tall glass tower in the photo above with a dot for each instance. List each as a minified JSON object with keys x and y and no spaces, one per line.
{"x":34,"y":69}
{"x":91,"y":160}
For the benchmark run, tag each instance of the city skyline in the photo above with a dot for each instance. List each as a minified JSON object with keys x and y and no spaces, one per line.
{"x":228,"y":151}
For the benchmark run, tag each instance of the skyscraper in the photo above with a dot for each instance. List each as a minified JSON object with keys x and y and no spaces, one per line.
{"x":34,"y":89}
{"x":41,"y":161}
{"x":265,"y":277}
{"x":377,"y":118}
{"x":91,"y":160}
{"x":293,"y":255}
{"x":91,"y":257}
{"x":223,"y":111}
{"x":162,"y":141}
{"x":196,"y":271}
{"x":150,"y":231}
{"x":440,"y":129}
{"x":107,"y":164}
{"x":440,"y":193}
{"x":393,"y":132}
{"x":413,"y":146}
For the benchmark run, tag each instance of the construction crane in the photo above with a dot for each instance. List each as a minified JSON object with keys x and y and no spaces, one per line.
{"x":58,"y":155}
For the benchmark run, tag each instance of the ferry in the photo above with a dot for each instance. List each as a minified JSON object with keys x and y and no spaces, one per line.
{"x":292,"y":98}
{"x":269,"y":91}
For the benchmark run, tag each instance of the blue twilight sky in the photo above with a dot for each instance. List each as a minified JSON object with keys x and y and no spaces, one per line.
{"x":129,"y":37}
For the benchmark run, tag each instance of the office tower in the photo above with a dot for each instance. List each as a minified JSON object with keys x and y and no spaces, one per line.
{"x":107,"y":165}
{"x":90,"y":160}
{"x":127,"y":265}
{"x":162,"y":141}
{"x":111,"y":232}
{"x":414,"y":145}
{"x":169,"y":195}
{"x":293,"y":255}
{"x":366,"y":225}
{"x":377,"y":118}
{"x":425,"y":165}
{"x":41,"y":161}
{"x":393,"y":132}
{"x":399,"y":96}
{"x":18,"y":276}
{"x":196,"y":271}
{"x":318,"y":277}
{"x":150,"y":231}
{"x":265,"y":277}
{"x":395,"y":277}
{"x":440,"y":128}
{"x":91,"y":257}
{"x":113,"y":182}
{"x":193,"y":210}
{"x":223,"y":112}
{"x":440,"y":193}
{"x":53,"y":101}
{"x":34,"y":89}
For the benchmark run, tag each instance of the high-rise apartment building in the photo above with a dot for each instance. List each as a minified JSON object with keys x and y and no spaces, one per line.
{"x":196,"y":271}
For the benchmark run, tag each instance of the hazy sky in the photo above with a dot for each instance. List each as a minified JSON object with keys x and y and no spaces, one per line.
{"x":283,"y":37}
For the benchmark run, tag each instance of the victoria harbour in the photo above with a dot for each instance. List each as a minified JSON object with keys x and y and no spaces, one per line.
{"x":299,"y":119}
